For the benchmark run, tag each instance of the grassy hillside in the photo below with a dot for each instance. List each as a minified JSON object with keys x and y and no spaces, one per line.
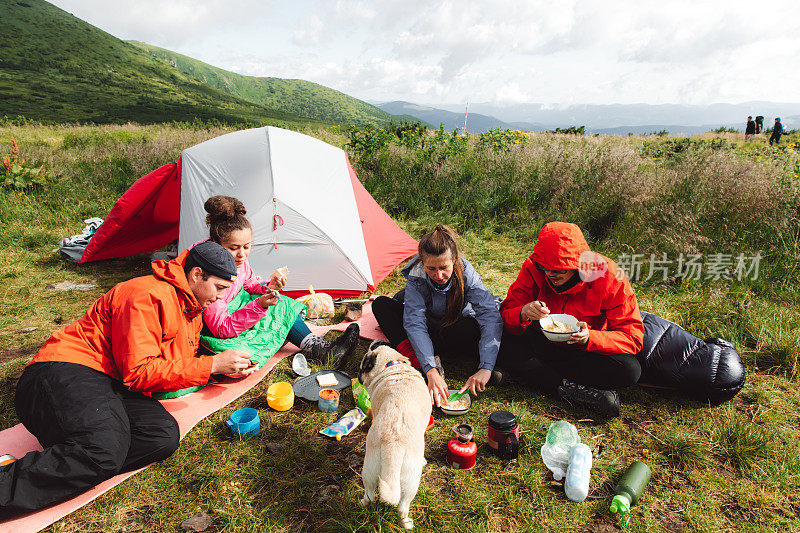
{"x":56,"y":67}
{"x":300,"y":97}
{"x":733,"y":467}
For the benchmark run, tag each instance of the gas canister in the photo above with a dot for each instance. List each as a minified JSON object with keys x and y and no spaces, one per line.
{"x":461,"y":449}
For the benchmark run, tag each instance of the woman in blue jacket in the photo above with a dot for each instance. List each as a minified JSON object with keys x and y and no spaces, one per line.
{"x":444,"y":310}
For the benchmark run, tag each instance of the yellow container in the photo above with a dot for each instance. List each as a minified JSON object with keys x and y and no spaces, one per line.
{"x":280,"y":396}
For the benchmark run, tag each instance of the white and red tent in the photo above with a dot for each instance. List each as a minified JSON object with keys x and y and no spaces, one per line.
{"x":308,"y":209}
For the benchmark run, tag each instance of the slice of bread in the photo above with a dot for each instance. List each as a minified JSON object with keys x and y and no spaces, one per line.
{"x":327,"y":380}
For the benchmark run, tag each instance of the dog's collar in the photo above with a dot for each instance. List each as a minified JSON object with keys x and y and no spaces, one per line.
{"x":390,"y":363}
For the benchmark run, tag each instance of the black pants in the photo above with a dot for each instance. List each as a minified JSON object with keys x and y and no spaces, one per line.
{"x":536,"y":362}
{"x":775,"y":137}
{"x":91,"y":428}
{"x":457,"y":340}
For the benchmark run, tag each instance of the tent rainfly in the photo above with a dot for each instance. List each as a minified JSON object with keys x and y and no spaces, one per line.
{"x":308,"y":209}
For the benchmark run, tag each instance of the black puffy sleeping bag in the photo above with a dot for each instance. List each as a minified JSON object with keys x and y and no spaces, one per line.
{"x":672,"y":357}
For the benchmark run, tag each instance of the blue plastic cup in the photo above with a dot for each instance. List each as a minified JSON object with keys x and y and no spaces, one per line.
{"x":244,"y":423}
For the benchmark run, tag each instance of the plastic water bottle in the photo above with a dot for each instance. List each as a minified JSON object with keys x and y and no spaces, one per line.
{"x":561,"y":437}
{"x":630,"y":488}
{"x":576,"y":484}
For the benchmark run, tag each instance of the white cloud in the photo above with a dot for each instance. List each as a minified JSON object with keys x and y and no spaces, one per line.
{"x":571,"y":51}
{"x":310,"y":34}
{"x":512,"y":93}
{"x":172,"y":23}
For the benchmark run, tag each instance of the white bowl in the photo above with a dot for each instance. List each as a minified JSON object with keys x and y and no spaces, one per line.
{"x":300,"y":365}
{"x":547,"y":322}
{"x":456,"y":412}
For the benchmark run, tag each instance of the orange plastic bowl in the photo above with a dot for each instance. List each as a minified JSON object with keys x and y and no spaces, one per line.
{"x":280,"y":396}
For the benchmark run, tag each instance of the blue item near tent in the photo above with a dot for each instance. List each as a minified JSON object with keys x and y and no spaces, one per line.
{"x":244,"y":423}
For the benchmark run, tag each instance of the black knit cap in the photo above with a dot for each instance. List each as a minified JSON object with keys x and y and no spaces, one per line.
{"x":214,"y":260}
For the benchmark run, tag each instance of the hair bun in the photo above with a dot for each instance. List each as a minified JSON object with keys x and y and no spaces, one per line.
{"x":224,"y":207}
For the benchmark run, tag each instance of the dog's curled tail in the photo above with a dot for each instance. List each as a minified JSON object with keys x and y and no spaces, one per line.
{"x":392,"y":457}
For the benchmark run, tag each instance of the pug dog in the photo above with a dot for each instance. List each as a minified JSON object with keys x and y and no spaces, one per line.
{"x":401,"y":410}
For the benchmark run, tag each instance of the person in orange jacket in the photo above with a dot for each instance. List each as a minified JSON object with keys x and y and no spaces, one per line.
{"x":563,"y":276}
{"x":82,"y":395}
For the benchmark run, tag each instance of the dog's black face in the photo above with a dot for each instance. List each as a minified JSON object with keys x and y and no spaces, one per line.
{"x":368,"y":362}
{"x":375,"y":344}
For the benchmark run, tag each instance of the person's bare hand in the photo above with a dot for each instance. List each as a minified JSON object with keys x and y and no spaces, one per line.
{"x":251,"y":369}
{"x":230,"y":362}
{"x":277,"y":281}
{"x":581,"y":337}
{"x":437,"y":387}
{"x":270,"y":297}
{"x":534,"y":311}
{"x":477,"y":382}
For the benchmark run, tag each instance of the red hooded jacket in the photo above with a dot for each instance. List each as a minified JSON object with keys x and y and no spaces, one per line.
{"x":606,"y":304}
{"x":143,"y":332}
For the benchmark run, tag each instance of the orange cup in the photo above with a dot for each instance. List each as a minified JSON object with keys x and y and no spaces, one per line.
{"x":280,"y":396}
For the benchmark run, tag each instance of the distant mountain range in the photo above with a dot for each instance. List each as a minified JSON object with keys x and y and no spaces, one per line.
{"x":476,"y":122}
{"x":617,"y":119}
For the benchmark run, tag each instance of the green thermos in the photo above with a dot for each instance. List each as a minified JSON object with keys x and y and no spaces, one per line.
{"x":630,"y":488}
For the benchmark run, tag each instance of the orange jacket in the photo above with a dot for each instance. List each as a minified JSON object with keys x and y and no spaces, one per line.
{"x":607,"y":304}
{"x":144,"y":332}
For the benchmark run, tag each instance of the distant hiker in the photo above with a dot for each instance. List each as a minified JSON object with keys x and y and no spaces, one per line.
{"x":749,"y":129}
{"x":759,"y":123}
{"x":777,"y":131}
{"x":82,"y":395}
{"x":229,"y":227}
{"x":564,"y":276}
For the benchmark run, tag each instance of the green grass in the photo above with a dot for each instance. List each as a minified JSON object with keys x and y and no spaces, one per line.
{"x":734,"y":467}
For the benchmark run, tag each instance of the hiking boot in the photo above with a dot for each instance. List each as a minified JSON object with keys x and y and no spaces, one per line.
{"x":438,"y":361}
{"x":342,"y":347}
{"x":604,"y":402}
{"x":498,"y":376}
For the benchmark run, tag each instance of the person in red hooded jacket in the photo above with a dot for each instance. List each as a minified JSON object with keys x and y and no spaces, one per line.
{"x":564,"y":276}
{"x":82,"y":395}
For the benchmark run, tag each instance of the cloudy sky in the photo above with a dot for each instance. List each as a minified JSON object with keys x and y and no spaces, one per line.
{"x":499,"y":51}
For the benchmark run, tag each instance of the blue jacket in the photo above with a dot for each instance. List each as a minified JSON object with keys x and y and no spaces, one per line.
{"x":425,"y":307}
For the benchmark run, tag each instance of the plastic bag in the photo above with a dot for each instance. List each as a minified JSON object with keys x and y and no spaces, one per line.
{"x":345,"y":424}
{"x":361,"y":397}
{"x":320,"y":305}
{"x":561,"y":437}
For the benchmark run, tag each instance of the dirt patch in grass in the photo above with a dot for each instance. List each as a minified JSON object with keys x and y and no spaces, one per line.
{"x":603,"y":491}
{"x":730,"y":507}
{"x":443,"y":481}
{"x":501,"y":524}
{"x":598,"y":526}
{"x":670,"y":519}
{"x":26,"y":352}
{"x":141,"y":518}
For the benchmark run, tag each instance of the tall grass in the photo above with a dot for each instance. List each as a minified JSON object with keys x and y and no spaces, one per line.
{"x":705,"y":197}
